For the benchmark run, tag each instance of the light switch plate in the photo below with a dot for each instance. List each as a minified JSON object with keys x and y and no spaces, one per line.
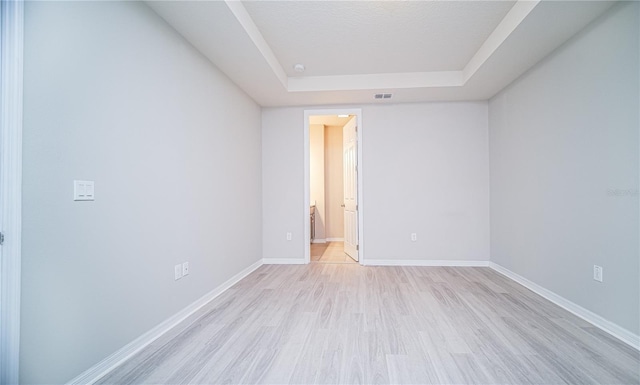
{"x":185,"y":268}
{"x":597,"y":273}
{"x":177,"y":272}
{"x":83,"y":190}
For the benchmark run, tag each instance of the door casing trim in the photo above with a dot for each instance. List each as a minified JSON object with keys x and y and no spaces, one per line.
{"x":306,"y":201}
{"x":11,"y":104}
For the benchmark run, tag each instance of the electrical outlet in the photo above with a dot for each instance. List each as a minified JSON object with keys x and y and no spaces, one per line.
{"x":83,"y":190}
{"x":597,"y":273}
{"x":288,"y":236}
{"x":414,"y":237}
{"x":185,"y":269}
{"x":177,"y":271}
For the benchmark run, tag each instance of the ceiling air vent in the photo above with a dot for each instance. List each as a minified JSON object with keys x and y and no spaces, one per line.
{"x":382,"y":96}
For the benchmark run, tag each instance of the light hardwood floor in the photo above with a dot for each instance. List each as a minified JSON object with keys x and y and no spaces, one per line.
{"x":330,"y":252}
{"x":345,"y":323}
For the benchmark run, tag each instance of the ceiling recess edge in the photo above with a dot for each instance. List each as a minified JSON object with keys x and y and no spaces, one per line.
{"x":516,"y":15}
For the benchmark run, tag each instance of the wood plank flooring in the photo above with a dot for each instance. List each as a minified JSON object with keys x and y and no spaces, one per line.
{"x":345,"y":323}
{"x":330,"y":252}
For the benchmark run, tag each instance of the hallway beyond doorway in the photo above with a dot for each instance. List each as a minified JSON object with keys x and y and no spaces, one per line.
{"x":330,"y":252}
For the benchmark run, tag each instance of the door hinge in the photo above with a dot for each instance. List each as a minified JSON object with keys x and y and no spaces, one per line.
{"x":357,"y":247}
{"x":356,"y":207}
{"x":1,"y":238}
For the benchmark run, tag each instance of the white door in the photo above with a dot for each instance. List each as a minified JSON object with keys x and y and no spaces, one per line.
{"x":350,"y":175}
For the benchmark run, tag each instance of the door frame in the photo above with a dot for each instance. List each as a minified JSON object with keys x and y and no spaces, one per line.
{"x":11,"y":104}
{"x":307,"y":188}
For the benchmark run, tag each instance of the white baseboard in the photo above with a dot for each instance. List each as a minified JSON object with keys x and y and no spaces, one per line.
{"x":103,"y":367}
{"x":421,"y":262}
{"x":335,"y":239}
{"x":283,"y":261}
{"x":615,"y":330}
{"x":108,"y":364}
{"x":319,"y":241}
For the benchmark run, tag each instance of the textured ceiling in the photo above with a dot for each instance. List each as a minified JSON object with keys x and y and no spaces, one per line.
{"x":368,"y":37}
{"x":419,"y":51}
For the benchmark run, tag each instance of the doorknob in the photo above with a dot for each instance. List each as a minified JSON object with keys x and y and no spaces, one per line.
{"x":342,"y":205}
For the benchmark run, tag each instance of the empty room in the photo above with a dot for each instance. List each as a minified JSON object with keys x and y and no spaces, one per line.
{"x":320,"y":192}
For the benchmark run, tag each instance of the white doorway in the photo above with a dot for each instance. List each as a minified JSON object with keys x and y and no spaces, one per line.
{"x":333,"y":185}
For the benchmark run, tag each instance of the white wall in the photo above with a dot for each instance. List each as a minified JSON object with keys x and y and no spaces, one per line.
{"x":112,"y":94}
{"x":316,"y":177}
{"x":282,"y":183}
{"x":425,"y":170}
{"x":334,"y":181}
{"x":564,"y":170}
